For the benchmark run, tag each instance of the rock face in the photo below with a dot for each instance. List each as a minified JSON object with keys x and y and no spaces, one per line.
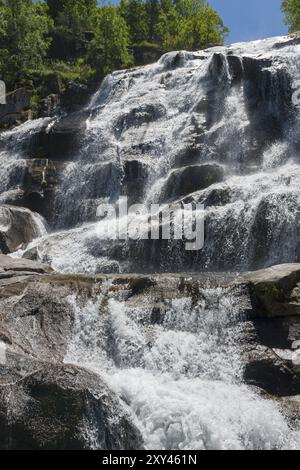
{"x":190,"y":179}
{"x":275,"y":364}
{"x":51,"y":407}
{"x":61,"y":140}
{"x":276,"y":290}
{"x":16,"y":265}
{"x":18,"y":227}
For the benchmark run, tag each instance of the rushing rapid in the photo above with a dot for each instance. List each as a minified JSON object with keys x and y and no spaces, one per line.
{"x":181,"y":377}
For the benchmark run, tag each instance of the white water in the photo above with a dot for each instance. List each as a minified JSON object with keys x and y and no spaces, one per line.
{"x":153,"y":115}
{"x":12,"y":162}
{"x":182,"y":379}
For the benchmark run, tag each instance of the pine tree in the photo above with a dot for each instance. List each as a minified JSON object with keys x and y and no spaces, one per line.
{"x":153,"y":12}
{"x":135,"y":14}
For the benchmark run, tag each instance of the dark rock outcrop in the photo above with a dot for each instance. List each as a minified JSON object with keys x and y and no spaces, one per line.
{"x":37,"y":181}
{"x":60,"y":141}
{"x":187,"y":180}
{"x":274,"y":363}
{"x":60,"y":407}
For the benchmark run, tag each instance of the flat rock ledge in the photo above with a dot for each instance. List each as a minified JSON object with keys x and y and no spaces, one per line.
{"x":276,"y":290}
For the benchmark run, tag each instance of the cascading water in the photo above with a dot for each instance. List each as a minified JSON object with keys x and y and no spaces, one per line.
{"x":220,"y":128}
{"x":13,"y":144}
{"x":181,"y":376}
{"x":226,"y":111}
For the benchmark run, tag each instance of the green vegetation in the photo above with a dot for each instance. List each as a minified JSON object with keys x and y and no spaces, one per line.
{"x":24,"y":39}
{"x":80,"y":40}
{"x":291,"y":9}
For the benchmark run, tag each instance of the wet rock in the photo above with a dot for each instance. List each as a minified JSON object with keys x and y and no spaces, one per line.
{"x":17,"y":265}
{"x":60,"y":407}
{"x":14,"y":197}
{"x":276,"y":290}
{"x":144,"y":114}
{"x":268,"y":371}
{"x":188,"y":156}
{"x":37,"y":181}
{"x":236,"y":68}
{"x":32,"y":254}
{"x":265,"y":85}
{"x":190,"y":179}
{"x":273,"y":364}
{"x":218,"y":67}
{"x":61,"y":139}
{"x":40,"y":323}
{"x":218,"y":197}
{"x":291,"y":409}
{"x":18,"y":227}
{"x":135,"y":179}
{"x":50,"y":105}
{"x":291,"y":40}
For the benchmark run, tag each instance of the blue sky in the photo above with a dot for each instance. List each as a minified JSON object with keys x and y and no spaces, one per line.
{"x":251,"y":19}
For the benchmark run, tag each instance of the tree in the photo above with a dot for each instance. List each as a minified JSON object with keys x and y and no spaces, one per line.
{"x":108,"y":50}
{"x":291,"y":9}
{"x":144,"y":28}
{"x":135,"y":14}
{"x":189,"y":24}
{"x":24,"y":40}
{"x":73,"y":16}
{"x":152,"y":12}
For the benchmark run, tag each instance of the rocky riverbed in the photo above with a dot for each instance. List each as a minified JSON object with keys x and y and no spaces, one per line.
{"x":49,"y":402}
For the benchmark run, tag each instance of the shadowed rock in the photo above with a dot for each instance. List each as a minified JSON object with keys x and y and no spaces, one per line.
{"x":60,"y":407}
{"x":60,"y":141}
{"x":188,"y":180}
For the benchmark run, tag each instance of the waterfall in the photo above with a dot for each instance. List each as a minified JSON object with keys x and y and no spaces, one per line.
{"x":180,"y":375}
{"x":226,"y":111}
{"x":220,"y":129}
